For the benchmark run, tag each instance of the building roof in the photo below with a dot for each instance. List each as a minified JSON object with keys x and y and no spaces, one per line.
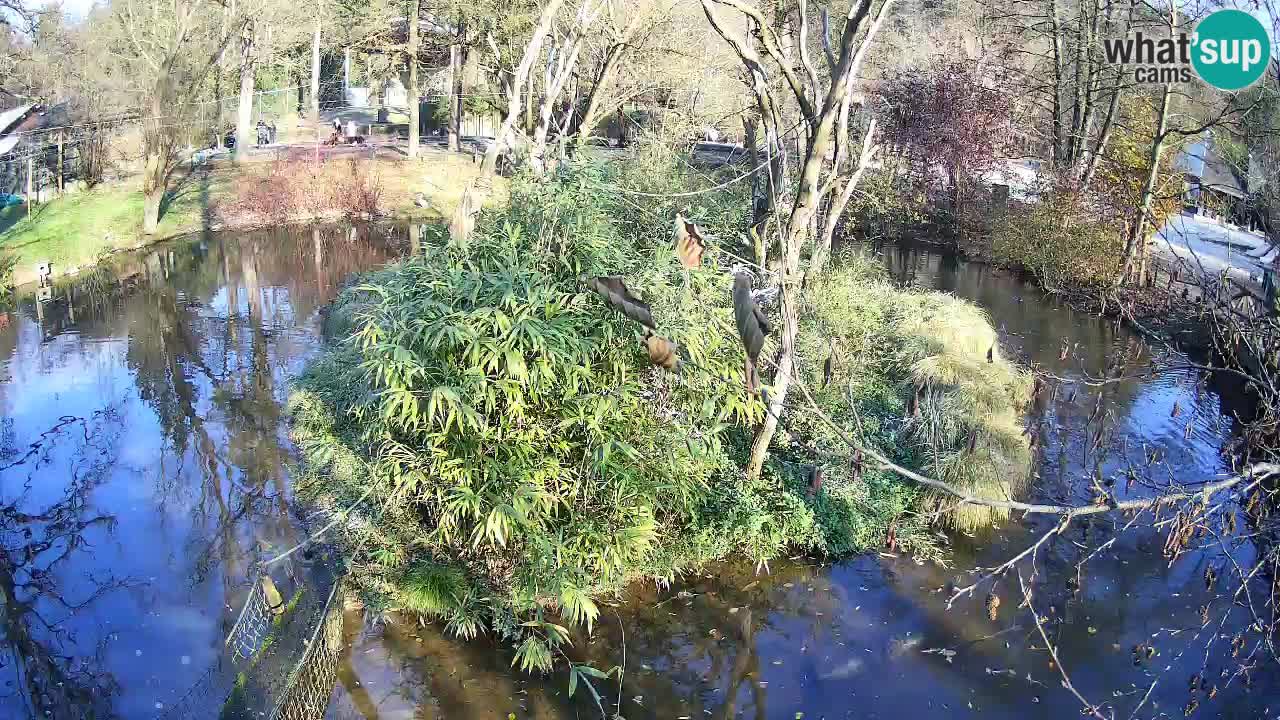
{"x":1221,"y":177}
{"x":1202,"y":162}
{"x":13,"y":116}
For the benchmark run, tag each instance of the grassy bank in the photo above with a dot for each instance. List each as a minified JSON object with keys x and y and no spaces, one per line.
{"x":76,"y":230}
{"x":511,"y":454}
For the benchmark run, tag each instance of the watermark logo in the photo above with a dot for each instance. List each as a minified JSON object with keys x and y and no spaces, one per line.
{"x":1229,"y":50}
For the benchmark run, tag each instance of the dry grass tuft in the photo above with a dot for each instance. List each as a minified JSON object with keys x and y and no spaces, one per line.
{"x":958,"y":416}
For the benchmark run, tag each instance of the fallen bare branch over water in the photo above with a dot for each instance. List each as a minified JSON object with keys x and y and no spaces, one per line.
{"x":1252,"y":472}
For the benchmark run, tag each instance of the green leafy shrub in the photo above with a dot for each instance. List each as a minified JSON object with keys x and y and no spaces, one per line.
{"x":510,"y":453}
{"x":526,"y":453}
{"x":1062,"y":241}
{"x":1074,"y":236}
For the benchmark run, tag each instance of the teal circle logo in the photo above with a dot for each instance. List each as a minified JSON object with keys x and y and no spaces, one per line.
{"x":1232,"y":49}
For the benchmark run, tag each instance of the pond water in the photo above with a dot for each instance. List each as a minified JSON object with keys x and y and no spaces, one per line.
{"x":143,"y":460}
{"x":143,"y":470}
{"x":872,"y":637}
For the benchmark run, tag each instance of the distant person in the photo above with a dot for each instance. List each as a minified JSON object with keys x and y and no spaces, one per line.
{"x":263,"y":137}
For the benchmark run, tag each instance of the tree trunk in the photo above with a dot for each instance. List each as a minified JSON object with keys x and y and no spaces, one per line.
{"x":805,"y":206}
{"x":557,"y":75}
{"x":808,"y":197}
{"x":1095,"y":155}
{"x":781,"y":383}
{"x":1108,"y":120}
{"x":531,"y":53}
{"x":1056,"y":29}
{"x":463,"y":221}
{"x":244,"y":118}
{"x":415,"y":109}
{"x":157,"y":149}
{"x":315,"y":78}
{"x":841,"y":201}
{"x":1136,"y":246}
{"x":455,"y":97}
{"x":153,"y":187}
{"x":591,"y":113}
{"x":528,"y":124}
{"x":761,"y":198}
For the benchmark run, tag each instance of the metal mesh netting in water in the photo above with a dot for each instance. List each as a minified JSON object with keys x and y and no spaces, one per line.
{"x":280,"y":658}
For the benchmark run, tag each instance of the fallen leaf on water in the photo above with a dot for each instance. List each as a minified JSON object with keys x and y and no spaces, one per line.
{"x":947,"y":653}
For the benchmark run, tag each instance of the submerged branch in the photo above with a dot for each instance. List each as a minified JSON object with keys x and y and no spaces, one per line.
{"x":1089,"y":708}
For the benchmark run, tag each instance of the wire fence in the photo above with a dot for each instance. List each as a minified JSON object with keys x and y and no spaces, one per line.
{"x":279,"y":661}
{"x":311,"y":682}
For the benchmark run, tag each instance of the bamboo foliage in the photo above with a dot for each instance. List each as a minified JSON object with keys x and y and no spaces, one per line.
{"x":517,"y":420}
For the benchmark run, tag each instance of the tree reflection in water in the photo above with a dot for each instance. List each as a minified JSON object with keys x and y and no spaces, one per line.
{"x":192,"y":344}
{"x":53,"y":674}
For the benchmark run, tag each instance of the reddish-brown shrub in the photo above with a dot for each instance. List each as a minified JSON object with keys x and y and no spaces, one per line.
{"x":359,"y":193}
{"x":298,"y":188}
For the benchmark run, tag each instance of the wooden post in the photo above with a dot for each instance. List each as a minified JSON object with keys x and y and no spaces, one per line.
{"x":61,"y":146}
{"x":414,"y":102}
{"x":31,"y":175}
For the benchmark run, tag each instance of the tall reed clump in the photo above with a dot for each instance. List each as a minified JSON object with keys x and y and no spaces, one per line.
{"x":509,"y":453}
{"x":910,"y":374}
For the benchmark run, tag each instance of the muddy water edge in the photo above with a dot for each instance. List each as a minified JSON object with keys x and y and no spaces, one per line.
{"x":872,"y":637}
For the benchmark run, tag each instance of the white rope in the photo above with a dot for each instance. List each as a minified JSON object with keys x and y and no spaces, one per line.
{"x":311,"y":538}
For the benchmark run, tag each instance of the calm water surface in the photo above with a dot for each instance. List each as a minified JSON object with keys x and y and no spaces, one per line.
{"x":143,"y":469}
{"x":143,"y":460}
{"x":861,"y":639}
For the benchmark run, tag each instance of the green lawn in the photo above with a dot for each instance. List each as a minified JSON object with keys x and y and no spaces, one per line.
{"x":76,"y":230}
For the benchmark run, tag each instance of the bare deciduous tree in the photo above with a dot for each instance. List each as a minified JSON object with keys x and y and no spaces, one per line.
{"x":165,"y":50}
{"x":822,"y":109}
